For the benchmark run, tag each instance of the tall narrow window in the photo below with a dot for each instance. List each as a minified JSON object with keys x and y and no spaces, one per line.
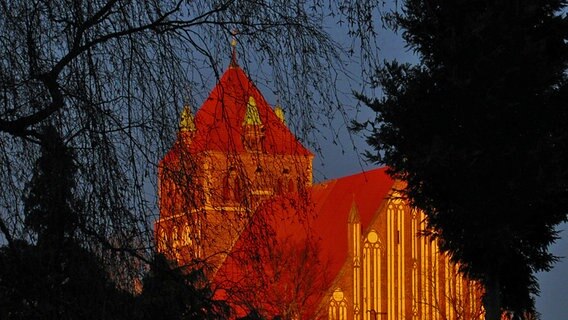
{"x":232,"y":187}
{"x":371,"y":275}
{"x":175,"y":238}
{"x":162,"y":240}
{"x":186,"y":239}
{"x":337,"y":306}
{"x":291,"y":186}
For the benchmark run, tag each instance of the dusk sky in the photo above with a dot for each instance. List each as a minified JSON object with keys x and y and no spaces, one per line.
{"x":219,"y":226}
{"x":340,"y":161}
{"x":344,"y":158}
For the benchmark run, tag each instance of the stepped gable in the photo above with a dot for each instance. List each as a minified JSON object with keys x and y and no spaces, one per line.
{"x":220,"y":122}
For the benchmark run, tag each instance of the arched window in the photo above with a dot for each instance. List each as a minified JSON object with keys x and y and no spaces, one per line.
{"x":175,"y":237}
{"x":291,"y":186}
{"x":162,"y":240}
{"x":279,"y":187}
{"x":371,"y":273}
{"x":338,"y":306}
{"x":227,"y":188}
{"x":232,"y":186}
{"x":186,"y":236}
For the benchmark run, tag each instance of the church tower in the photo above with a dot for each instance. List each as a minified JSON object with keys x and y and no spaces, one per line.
{"x":232,"y":155}
{"x":236,"y":198}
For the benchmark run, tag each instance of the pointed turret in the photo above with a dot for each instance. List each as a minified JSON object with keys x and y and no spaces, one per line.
{"x":186,"y":123}
{"x":354,"y":214}
{"x":251,"y":115}
{"x":354,"y":234}
{"x":186,"y":126}
{"x":280,"y":113}
{"x":252,"y":127}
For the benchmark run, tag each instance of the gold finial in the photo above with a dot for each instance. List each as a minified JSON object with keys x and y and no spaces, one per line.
{"x":233,"y":63}
{"x":186,"y":123}
{"x":280,"y":113}
{"x":251,"y":116}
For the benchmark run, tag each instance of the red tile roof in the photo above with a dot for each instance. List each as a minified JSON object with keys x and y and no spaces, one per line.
{"x":325,"y":225}
{"x":219,"y":121}
{"x":333,"y":200}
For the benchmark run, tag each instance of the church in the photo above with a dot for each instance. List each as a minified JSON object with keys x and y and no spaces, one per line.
{"x":237,"y":199}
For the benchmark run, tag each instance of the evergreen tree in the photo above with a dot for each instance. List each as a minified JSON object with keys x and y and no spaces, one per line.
{"x":35,"y":284}
{"x":113,"y":74}
{"x":50,"y":206}
{"x":56,"y":278}
{"x":478,"y":131}
{"x":169,"y":292}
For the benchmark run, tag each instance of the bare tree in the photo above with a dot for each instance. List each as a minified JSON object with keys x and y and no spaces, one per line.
{"x":110,"y":75}
{"x":273,"y":271}
{"x":448,"y":294}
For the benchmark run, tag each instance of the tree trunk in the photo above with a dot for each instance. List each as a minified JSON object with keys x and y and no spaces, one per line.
{"x":492,"y":298}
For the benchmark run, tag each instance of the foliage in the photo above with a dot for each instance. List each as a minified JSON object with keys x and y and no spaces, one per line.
{"x":55,"y":278}
{"x":36,"y":283}
{"x":169,"y":292}
{"x":50,"y":208}
{"x":477,"y":129}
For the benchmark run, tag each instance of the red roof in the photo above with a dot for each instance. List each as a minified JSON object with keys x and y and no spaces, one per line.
{"x":324,"y":225}
{"x":219,"y":121}
{"x":334,"y":199}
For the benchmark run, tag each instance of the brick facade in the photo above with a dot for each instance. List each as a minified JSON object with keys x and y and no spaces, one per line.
{"x":350,"y":245}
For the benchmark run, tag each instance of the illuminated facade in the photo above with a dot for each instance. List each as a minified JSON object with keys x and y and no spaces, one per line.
{"x":236,"y":196}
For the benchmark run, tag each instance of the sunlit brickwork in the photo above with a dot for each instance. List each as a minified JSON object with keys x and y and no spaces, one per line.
{"x":235,"y":157}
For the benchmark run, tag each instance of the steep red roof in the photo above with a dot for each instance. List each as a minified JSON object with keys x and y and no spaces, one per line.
{"x":219,"y":121}
{"x":323,"y":223}
{"x":333,"y":200}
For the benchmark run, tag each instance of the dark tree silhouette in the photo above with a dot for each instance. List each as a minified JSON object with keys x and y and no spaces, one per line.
{"x":41,"y":283}
{"x":51,"y":209}
{"x":478,"y":130}
{"x":112,"y":76}
{"x":55,"y":277}
{"x":171,"y":292}
{"x":58,"y":277}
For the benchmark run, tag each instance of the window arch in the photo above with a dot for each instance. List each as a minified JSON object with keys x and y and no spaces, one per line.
{"x":162,"y":240}
{"x":175,"y":237}
{"x":232,"y":186}
{"x":291,"y":186}
{"x":186,"y":236}
{"x":337,"y":305}
{"x":371,"y":273}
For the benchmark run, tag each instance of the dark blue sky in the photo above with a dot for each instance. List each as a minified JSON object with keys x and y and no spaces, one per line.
{"x":343,"y":160}
{"x":343,"y":157}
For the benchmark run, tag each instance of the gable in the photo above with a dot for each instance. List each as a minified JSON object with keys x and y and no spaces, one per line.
{"x":220,"y":122}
